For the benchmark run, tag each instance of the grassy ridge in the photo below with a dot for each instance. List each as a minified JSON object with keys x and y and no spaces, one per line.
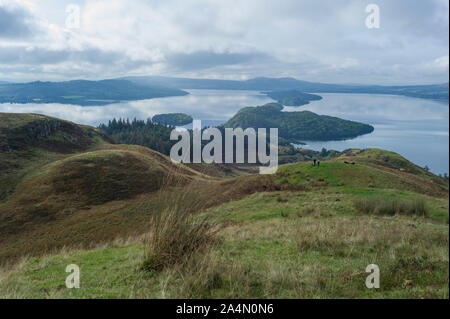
{"x":29,"y":141}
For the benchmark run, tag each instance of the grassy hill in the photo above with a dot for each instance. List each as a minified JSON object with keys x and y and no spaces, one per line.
{"x":297,"y":126}
{"x":28,"y":141}
{"x":304,"y":232}
{"x":56,"y":174}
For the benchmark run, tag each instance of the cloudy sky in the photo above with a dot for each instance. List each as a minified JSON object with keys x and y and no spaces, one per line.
{"x":326,"y":41}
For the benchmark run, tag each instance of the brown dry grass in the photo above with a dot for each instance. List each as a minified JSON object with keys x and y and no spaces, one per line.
{"x":380,"y":206}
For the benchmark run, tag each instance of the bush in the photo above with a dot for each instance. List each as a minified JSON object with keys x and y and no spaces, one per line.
{"x":178,"y":232}
{"x":379,"y":206}
{"x":174,"y":238}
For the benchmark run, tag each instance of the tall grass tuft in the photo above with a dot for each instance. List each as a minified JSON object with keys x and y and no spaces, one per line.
{"x":178,"y":230}
{"x":379,"y":206}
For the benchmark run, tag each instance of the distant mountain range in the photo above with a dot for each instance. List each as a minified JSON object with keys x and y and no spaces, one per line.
{"x":435,"y":91}
{"x":82,"y":92}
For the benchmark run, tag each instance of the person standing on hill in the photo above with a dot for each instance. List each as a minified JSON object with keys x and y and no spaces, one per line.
{"x":314,"y":162}
{"x":318,"y":162}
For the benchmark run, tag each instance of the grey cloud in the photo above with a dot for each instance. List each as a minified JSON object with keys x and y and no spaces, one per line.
{"x":38,"y":55}
{"x":312,"y":40}
{"x":207,"y":59}
{"x":15,"y":22}
{"x":41,"y":63}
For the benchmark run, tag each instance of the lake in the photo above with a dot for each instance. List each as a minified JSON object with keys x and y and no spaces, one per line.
{"x":418,"y":129}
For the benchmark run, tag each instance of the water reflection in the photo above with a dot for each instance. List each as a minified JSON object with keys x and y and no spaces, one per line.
{"x":218,"y":105}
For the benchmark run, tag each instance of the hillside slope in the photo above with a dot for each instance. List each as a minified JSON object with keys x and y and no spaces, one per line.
{"x":28,"y":141}
{"x":369,"y":168}
{"x":296,"y":234}
{"x":55,"y":175}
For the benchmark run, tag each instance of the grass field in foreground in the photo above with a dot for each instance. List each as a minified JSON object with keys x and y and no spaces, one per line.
{"x":272,"y":245}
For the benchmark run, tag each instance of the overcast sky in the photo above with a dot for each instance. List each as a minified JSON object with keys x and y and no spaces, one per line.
{"x":325,"y":41}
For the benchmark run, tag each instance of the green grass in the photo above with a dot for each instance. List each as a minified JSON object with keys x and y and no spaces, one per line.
{"x":329,"y":201}
{"x":338,"y":174}
{"x":307,"y":257}
{"x":310,"y":244}
{"x":105,"y":273}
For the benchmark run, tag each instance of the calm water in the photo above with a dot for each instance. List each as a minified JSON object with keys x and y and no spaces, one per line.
{"x":415,"y":128}
{"x":418,"y":129}
{"x":215,"y":105}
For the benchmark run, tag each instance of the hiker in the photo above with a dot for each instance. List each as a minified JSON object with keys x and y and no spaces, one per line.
{"x":314,"y":162}
{"x":318,"y":162}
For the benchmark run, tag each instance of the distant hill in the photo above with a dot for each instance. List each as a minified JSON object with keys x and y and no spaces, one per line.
{"x":82,"y":92}
{"x":436,"y":91}
{"x":293,"y":97}
{"x":173,"y":119}
{"x":297,"y":126}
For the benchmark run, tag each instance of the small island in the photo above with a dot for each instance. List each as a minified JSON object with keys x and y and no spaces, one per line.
{"x":297,"y":126}
{"x":172,"y":119}
{"x":292,"y":97}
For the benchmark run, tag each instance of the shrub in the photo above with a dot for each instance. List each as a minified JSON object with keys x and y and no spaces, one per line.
{"x":174,"y":238}
{"x":178,"y":232}
{"x":309,"y":210}
{"x":284,"y":214}
{"x":379,"y":206}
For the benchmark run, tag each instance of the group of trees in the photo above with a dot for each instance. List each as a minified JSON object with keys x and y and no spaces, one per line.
{"x":140,"y":132}
{"x":157,"y":137}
